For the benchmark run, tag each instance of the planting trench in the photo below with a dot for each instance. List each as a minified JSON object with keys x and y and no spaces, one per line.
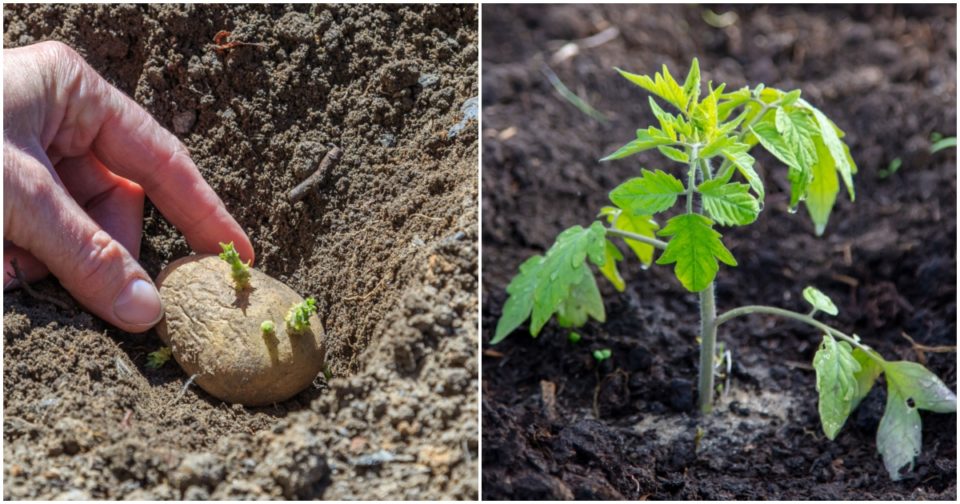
{"x":386,"y":243}
{"x":558,"y":425}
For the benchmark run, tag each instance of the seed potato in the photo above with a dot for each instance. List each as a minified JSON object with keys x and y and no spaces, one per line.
{"x":215,"y":332}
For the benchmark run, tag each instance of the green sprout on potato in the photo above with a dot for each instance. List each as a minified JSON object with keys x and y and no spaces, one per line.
{"x":267,"y":327}
{"x":239,"y":270}
{"x":298,"y":318}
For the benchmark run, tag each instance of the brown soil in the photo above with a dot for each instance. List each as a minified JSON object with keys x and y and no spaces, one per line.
{"x":887,"y":75}
{"x":386,"y":243}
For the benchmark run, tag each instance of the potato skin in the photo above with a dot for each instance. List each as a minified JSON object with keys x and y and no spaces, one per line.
{"x":214,"y":332}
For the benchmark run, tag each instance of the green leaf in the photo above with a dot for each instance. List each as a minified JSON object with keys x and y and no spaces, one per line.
{"x":729,"y":126}
{"x":771,"y":140}
{"x":898,"y":436}
{"x":717,"y":145}
{"x":602,"y":354}
{"x":943,"y":143}
{"x":546,"y":282}
{"x":662,"y":85}
{"x":643,"y":225}
{"x":668,"y":85}
{"x":644,"y":141}
{"x":641,"y":80}
{"x":584,"y":301}
{"x":691,"y":86}
{"x":870,"y":370}
{"x":918,"y":384}
{"x":674,"y":154}
{"x":695,"y":248}
{"x":837,"y":148}
{"x":520,"y":303}
{"x":850,"y":162}
{"x":667,"y":121}
{"x":799,"y":174}
{"x":651,"y":192}
{"x":819,"y":300}
{"x":797,"y":131}
{"x":738,"y":155}
{"x":836,"y":382}
{"x":730,"y":101}
{"x":910,"y":387}
{"x":706,"y":114}
{"x":609,"y":268}
{"x":789,"y":98}
{"x":729,"y":204}
{"x":823,"y":189}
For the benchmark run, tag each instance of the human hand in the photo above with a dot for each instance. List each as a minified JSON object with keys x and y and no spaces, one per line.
{"x":78,"y":156}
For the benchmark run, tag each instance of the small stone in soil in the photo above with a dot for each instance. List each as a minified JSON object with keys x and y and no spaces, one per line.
{"x":427,"y":80}
{"x":388,"y":140}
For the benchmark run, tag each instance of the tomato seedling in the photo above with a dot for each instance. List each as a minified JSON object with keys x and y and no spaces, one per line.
{"x":710,"y":139}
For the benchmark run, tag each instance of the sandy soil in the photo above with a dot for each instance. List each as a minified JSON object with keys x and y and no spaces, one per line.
{"x":386,"y":243}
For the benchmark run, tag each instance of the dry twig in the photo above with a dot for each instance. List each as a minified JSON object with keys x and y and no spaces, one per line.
{"x":921,"y":349}
{"x":329,"y":160}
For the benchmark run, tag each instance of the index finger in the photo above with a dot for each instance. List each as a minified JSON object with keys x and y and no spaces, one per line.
{"x":132,"y":144}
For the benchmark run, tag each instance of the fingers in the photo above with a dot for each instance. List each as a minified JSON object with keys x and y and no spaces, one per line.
{"x":92,"y":114}
{"x":30,"y":268}
{"x":114,"y":203}
{"x":94,"y":267}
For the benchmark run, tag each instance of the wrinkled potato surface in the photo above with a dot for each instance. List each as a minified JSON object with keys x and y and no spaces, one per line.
{"x":214,"y":332}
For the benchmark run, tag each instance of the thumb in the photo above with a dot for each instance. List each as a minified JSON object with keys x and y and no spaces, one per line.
{"x":95,"y":268}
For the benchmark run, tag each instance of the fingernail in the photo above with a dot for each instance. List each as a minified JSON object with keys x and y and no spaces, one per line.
{"x":138,"y":303}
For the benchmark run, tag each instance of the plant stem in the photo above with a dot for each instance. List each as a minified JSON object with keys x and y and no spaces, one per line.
{"x":708,"y":343}
{"x":640,"y":238}
{"x":692,"y":175}
{"x":770,"y":310}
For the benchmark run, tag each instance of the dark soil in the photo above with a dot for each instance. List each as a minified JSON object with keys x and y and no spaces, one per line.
{"x":887,"y":75}
{"x":386,"y":243}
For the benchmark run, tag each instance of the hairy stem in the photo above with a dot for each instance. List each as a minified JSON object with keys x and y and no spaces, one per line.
{"x":806,"y":319}
{"x":640,"y":238}
{"x":708,"y":343}
{"x":692,"y":175}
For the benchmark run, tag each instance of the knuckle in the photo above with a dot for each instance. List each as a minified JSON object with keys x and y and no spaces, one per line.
{"x":99,"y":263}
{"x":57,"y":53}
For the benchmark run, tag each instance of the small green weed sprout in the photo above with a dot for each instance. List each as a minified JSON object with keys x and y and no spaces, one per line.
{"x":941,"y":142}
{"x":156,"y":360}
{"x":298,"y":318}
{"x":239,"y":270}
{"x":602,"y":354}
